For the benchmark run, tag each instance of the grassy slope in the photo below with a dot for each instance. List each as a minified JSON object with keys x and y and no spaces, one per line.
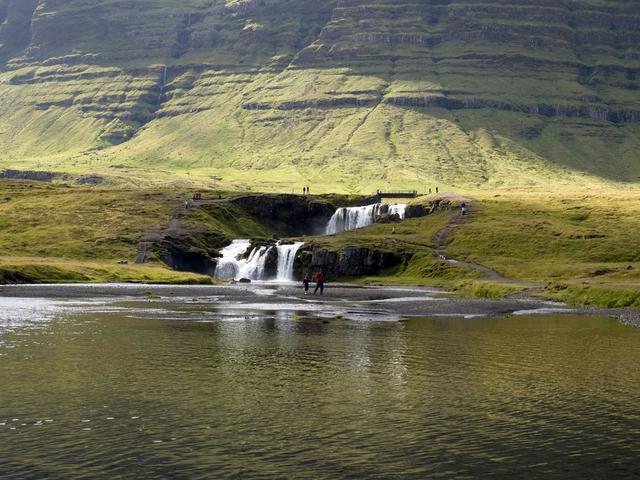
{"x":416,"y":238}
{"x":58,"y":233}
{"x":323,"y":78}
{"x":352,"y":149}
{"x":582,"y":245}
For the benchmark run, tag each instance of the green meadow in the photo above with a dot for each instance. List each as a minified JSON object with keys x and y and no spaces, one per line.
{"x":579,"y":246}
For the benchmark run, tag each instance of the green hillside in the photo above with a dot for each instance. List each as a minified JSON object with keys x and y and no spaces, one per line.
{"x":348,"y":95}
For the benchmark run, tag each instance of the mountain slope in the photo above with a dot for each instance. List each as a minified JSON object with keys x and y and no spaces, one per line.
{"x":346,"y":94}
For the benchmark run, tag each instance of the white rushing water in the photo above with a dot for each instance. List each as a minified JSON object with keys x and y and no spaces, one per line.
{"x":232,"y":266}
{"x":352,"y":218}
{"x":399,"y":209}
{"x":235,"y":265}
{"x":228,"y":264}
{"x":286,"y":258}
{"x":253,"y":267}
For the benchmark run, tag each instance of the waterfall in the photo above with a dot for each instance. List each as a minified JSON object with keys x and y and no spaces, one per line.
{"x":286,"y":258}
{"x":228,"y":264}
{"x":254,"y":266}
{"x":351,"y":218}
{"x":399,"y":209}
{"x":231,"y":265}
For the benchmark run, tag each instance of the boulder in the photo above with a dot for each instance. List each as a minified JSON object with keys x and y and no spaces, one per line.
{"x":89,"y":180}
{"x":415,"y":211}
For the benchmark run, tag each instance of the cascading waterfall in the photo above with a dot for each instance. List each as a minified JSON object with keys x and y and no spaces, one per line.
{"x":254,"y":266}
{"x":398,"y":209}
{"x":235,"y":265}
{"x":231,"y":265}
{"x":351,"y":218}
{"x":286,"y":258}
{"x":228,"y":263}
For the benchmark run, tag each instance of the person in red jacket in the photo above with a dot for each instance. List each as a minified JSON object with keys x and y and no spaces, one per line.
{"x":319,"y":279}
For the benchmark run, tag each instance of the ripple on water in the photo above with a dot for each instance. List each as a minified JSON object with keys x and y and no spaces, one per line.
{"x":519,"y":397}
{"x":16,"y":313}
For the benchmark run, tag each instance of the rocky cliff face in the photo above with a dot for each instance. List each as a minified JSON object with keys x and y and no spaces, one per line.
{"x":288,"y":215}
{"x":194,"y":246}
{"x":391,"y":92}
{"x":349,"y":262}
{"x":15,"y":26}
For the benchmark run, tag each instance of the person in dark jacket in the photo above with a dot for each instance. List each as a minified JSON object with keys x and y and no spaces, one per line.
{"x":305,"y":282}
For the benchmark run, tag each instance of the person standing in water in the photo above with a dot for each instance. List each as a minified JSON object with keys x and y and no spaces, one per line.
{"x":319,"y":278}
{"x":305,"y":282}
{"x":463,"y":209}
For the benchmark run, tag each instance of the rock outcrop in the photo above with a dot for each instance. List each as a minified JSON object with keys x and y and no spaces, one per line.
{"x":38,"y":176}
{"x":349,"y":262}
{"x":190,"y":251}
{"x":288,"y":215}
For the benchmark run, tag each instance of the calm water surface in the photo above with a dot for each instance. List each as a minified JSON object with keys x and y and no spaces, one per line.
{"x":141,"y":389}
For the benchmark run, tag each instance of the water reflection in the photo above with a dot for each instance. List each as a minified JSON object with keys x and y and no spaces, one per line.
{"x":18,"y":313}
{"x":153,"y":391}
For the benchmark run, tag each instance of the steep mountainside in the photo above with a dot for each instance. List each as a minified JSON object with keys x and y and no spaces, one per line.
{"x":350,"y":94}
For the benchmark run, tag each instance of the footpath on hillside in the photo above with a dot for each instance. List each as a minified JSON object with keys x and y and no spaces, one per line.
{"x":443,"y":238}
{"x":174,"y":228}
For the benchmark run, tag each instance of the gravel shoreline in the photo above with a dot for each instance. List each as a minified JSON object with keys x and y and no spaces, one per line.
{"x":403,"y":302}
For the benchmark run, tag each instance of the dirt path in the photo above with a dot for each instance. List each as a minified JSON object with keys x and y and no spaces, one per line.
{"x":173,"y":228}
{"x":442,"y":239}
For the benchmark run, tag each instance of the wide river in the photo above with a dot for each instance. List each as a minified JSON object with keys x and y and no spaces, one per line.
{"x":189,"y":387}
